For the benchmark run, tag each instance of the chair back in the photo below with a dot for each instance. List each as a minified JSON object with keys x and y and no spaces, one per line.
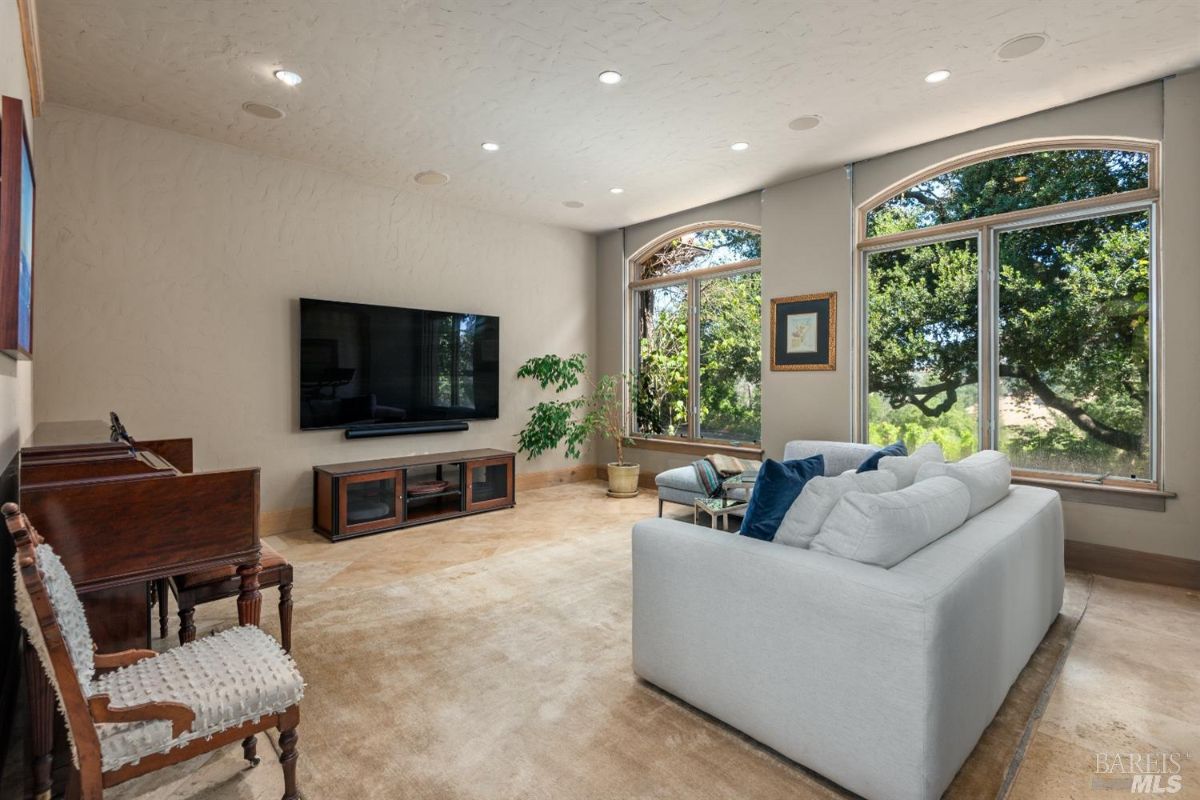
{"x":56,"y":627}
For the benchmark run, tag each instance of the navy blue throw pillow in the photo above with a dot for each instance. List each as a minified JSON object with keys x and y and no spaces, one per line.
{"x":872,"y":462}
{"x":776,"y":488}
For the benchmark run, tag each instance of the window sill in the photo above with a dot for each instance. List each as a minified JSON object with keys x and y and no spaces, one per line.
{"x":696,"y":448}
{"x":1136,"y":497}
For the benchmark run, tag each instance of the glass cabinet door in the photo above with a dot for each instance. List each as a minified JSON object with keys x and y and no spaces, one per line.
{"x":489,"y":484}
{"x":370,"y":501}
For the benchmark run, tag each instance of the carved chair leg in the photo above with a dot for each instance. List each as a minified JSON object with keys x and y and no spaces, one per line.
{"x":161,"y":591}
{"x":287,"y":758}
{"x":41,"y":724}
{"x":250,"y":750}
{"x":187,"y":626}
{"x":285,"y":615}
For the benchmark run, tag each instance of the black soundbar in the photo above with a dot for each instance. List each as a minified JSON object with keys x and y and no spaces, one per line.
{"x":402,"y":428}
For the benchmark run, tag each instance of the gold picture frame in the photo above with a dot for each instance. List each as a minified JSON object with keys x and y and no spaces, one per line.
{"x":807,"y":340}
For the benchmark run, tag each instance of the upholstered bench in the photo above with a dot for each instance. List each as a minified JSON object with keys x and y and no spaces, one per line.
{"x":680,"y":485}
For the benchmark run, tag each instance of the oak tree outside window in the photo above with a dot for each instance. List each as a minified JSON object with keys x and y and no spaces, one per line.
{"x":696,"y":302}
{"x":1010,"y":304}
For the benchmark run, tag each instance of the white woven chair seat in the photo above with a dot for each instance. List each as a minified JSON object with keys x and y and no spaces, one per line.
{"x":229,"y":678}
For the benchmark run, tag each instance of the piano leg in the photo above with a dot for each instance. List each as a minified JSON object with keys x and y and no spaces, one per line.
{"x":249,"y":600}
{"x":41,"y":723}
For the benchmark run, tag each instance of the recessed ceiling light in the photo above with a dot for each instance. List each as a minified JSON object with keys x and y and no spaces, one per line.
{"x":431,"y":177}
{"x":805,"y":123}
{"x":491,"y":147}
{"x":572,"y":204}
{"x":610,"y":76}
{"x":617,"y":190}
{"x":740,"y":146}
{"x":262,"y":110}
{"x":937,"y":76}
{"x":288,"y":77}
{"x":1020,"y":46}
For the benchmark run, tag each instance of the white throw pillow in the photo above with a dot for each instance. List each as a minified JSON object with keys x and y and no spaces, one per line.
{"x":885,"y":529}
{"x":906,"y":467}
{"x":986,"y":474}
{"x":803,"y":520}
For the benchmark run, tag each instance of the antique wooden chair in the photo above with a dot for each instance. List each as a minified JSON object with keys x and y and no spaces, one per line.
{"x":137,"y":711}
{"x":202,"y":587}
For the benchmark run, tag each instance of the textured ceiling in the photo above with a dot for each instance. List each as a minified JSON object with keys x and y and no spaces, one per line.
{"x":392,"y":88}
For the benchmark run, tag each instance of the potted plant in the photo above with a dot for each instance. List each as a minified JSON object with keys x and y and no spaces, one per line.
{"x":570,"y":422}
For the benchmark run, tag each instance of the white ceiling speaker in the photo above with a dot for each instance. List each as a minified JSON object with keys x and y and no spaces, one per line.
{"x":805,"y":123}
{"x":262,"y":110}
{"x":431,"y":177}
{"x":1020,"y":46}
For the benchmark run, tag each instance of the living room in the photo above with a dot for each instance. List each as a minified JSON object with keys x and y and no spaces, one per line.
{"x":624,"y":400}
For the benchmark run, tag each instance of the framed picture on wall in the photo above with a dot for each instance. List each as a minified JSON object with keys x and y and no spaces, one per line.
{"x":17,"y":192}
{"x":804,"y":332}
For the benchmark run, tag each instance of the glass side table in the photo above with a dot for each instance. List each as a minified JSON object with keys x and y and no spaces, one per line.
{"x":719,"y":510}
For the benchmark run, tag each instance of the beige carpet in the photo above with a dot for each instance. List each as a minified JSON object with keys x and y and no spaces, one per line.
{"x":509,"y":677}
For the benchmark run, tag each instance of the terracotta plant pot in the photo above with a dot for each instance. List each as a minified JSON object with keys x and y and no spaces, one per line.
{"x":623,"y":480}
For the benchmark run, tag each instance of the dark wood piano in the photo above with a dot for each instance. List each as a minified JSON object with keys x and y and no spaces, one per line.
{"x":122,"y":513}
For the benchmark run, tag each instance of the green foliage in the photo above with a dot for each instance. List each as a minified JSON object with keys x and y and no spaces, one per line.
{"x":570,"y":422}
{"x":730,"y":351}
{"x":1074,"y":337}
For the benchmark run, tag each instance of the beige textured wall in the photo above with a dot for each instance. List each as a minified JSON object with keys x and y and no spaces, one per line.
{"x":806,"y":241}
{"x":16,"y":377}
{"x":169,"y":268}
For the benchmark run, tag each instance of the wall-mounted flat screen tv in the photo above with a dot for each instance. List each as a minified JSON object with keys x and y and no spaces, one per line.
{"x":363,"y":365}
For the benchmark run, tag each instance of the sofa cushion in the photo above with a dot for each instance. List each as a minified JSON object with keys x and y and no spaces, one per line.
{"x":884,"y":529}
{"x":803,"y":520}
{"x":839,"y":456}
{"x":777,"y":486}
{"x":986,"y":474}
{"x":906,"y":467}
{"x":871,"y":463}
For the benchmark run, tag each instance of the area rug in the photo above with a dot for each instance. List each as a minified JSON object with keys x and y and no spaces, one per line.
{"x":510,"y":677}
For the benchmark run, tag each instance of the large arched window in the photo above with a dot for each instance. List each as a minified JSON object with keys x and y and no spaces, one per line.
{"x":696,"y":300}
{"x":1009,"y":304}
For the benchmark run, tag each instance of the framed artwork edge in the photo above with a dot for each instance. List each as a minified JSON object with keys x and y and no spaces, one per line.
{"x":829,"y":366}
{"x":15,"y":150}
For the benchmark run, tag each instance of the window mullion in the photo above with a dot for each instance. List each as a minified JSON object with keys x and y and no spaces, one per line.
{"x":694,"y":358}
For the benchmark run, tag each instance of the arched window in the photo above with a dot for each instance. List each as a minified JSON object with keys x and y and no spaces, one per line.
{"x":696,"y":299}
{"x":1009,"y":304}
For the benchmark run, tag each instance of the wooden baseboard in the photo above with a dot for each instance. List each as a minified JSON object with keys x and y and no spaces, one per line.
{"x":554,"y":477}
{"x":1132,"y":565}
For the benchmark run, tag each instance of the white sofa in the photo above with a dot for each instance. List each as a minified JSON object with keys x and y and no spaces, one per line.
{"x":882,"y":680}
